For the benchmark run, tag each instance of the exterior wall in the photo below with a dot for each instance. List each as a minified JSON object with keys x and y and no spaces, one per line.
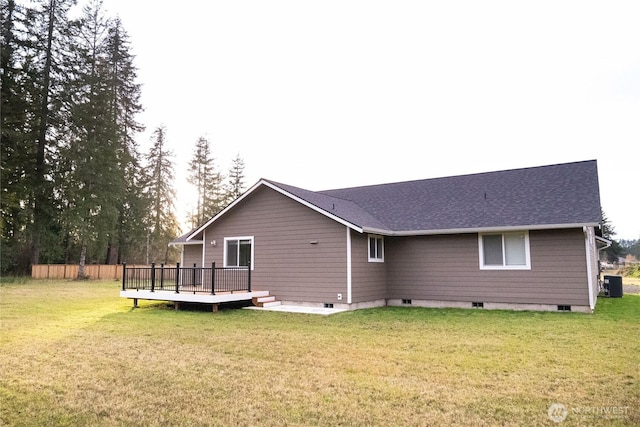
{"x":446,"y":268}
{"x":368,"y":279}
{"x":285,"y":261}
{"x":192,"y":254}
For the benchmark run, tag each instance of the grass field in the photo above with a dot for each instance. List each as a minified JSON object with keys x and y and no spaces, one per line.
{"x":74,"y":353}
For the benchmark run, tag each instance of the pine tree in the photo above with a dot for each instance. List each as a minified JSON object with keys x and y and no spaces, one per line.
{"x":163,"y":225}
{"x":93,"y":151}
{"x":208,"y":182}
{"x":236,"y":178}
{"x":16,"y":150}
{"x":124,"y":104}
{"x":50,"y":38}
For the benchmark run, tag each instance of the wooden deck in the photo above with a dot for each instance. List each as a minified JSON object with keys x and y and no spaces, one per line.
{"x":198,"y":297}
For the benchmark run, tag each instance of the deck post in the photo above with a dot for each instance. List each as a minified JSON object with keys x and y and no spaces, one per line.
{"x":135,"y":303}
{"x":162,"y":276}
{"x":177,"y":277}
{"x":215,"y":308}
{"x":193,"y":281}
{"x":153,"y":276}
{"x":124,"y":275}
{"x":249,"y":275}
{"x":213,"y":278}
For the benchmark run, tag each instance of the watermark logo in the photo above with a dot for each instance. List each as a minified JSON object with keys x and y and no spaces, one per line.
{"x":557,"y":412}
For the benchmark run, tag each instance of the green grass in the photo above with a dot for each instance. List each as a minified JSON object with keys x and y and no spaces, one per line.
{"x":74,"y":353}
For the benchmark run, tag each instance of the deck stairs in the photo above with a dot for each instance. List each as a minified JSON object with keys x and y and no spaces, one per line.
{"x":266,"y":301}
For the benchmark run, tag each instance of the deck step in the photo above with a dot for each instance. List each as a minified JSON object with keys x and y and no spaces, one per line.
{"x":266,"y":301}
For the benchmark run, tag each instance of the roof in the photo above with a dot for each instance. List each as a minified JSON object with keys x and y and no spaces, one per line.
{"x":554,"y":196}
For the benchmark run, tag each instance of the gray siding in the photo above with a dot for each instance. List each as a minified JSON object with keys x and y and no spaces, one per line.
{"x":368,"y":279}
{"x":286,"y":263}
{"x":192,"y":254}
{"x":446,"y":268}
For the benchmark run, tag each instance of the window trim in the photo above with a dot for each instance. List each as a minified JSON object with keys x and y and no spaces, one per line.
{"x":375,"y":258}
{"x":237,"y":238}
{"x":527,"y":251}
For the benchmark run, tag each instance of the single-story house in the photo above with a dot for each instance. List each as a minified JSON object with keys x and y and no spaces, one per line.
{"x":522,"y":239}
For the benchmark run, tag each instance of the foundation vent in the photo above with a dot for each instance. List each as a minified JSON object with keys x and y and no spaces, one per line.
{"x":406,"y":301}
{"x":564,"y":308}
{"x":328,"y":305}
{"x":477,"y":305}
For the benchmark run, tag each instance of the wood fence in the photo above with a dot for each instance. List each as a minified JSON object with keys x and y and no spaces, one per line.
{"x":70,"y":271}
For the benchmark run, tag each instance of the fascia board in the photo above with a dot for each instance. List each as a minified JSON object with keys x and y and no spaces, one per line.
{"x":191,"y":242}
{"x":476,"y":229}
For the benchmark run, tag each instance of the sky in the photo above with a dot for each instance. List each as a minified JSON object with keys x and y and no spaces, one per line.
{"x":332,"y":94}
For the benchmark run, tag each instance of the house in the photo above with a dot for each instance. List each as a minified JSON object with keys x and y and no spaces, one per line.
{"x":522,"y":239}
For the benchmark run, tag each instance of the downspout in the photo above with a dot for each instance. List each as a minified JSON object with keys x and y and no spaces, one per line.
{"x":348,"y":265}
{"x":587,"y":247}
{"x":204,"y":246}
{"x":204,"y":249}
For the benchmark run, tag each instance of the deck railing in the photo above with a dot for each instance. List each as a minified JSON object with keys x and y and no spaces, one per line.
{"x":187,"y":279}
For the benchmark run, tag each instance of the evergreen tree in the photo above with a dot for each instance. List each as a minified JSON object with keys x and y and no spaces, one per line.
{"x":35,"y":45}
{"x":163,"y":225}
{"x":236,"y":178}
{"x":124,"y":104}
{"x":94,"y":175}
{"x":208,"y":183}
{"x":16,"y":150}
{"x":50,"y":38}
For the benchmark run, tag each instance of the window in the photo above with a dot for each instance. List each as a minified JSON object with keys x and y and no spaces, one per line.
{"x":376,"y":249}
{"x":504,"y":251}
{"x":238,"y":251}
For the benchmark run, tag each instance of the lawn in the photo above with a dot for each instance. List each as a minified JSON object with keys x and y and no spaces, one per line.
{"x":74,"y":353}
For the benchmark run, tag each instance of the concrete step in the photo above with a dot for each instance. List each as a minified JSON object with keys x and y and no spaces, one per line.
{"x":271,"y":304}
{"x":266,"y":299}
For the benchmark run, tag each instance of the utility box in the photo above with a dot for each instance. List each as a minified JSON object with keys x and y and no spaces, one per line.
{"x":613,"y":286}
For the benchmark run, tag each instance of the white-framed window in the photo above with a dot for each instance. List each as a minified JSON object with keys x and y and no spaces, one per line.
{"x":504,"y":251}
{"x":238,"y":251}
{"x":376,"y":248}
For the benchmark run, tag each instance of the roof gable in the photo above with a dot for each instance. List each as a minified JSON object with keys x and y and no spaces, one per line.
{"x":552,"y":196}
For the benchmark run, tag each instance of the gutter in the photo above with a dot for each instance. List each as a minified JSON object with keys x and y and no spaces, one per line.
{"x":381,"y":232}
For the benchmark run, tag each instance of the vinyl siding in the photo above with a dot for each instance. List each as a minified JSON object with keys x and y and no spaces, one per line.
{"x":368,"y":279}
{"x":285,"y":261}
{"x":192,"y":254}
{"x":446,"y":268}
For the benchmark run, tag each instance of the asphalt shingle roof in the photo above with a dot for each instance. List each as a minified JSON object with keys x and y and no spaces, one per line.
{"x":555,"y":195}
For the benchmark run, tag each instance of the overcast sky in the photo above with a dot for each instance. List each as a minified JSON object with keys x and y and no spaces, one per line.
{"x":328,"y":94}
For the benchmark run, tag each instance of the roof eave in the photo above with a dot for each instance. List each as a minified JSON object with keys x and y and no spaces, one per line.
{"x":476,"y":229}
{"x":191,"y":242}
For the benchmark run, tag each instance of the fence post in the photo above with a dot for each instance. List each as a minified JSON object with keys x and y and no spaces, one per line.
{"x":213,"y":278}
{"x":124,"y":274}
{"x":153,"y":276}
{"x":249,"y":275}
{"x":177,"y":277}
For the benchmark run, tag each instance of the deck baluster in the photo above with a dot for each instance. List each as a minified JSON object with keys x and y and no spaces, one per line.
{"x":249,"y":275}
{"x":124,"y":275}
{"x":153,"y":276}
{"x":177,"y":277}
{"x":213,"y":278}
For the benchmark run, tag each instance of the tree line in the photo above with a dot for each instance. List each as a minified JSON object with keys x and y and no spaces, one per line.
{"x":76,"y":187}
